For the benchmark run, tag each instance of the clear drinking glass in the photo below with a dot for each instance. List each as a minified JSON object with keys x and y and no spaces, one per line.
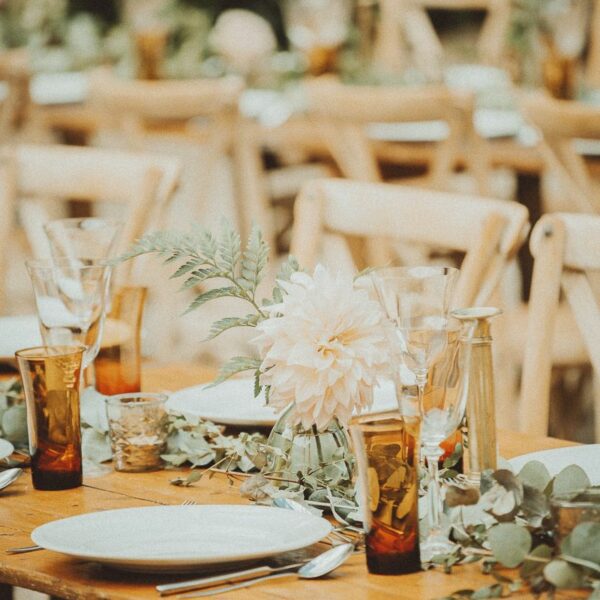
{"x":70,"y":296}
{"x":91,"y":237}
{"x":386,"y":446}
{"x":51,"y":380}
{"x":138,"y":430}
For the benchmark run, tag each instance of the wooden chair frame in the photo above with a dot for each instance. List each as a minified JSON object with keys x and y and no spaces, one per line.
{"x":144,"y":183}
{"x":488,"y":231}
{"x":342,"y":112}
{"x":566,"y":248}
{"x":560,"y":122}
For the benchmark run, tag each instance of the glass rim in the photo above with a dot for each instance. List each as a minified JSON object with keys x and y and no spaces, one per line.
{"x":146,"y":398}
{"x":117,"y":223}
{"x":49,"y":351}
{"x":51,"y":264}
{"x":415,"y":272}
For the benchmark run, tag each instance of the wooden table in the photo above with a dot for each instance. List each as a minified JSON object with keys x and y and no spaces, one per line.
{"x":22,"y":509}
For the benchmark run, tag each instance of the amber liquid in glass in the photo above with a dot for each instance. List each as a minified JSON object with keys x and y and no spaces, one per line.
{"x":56,"y":448}
{"x":117,"y":372}
{"x":393,"y":538}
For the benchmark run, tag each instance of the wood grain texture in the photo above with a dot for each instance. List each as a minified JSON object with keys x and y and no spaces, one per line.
{"x":22,"y":509}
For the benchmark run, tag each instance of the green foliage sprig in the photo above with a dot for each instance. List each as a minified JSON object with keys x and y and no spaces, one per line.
{"x":202,"y":257}
{"x":507,"y":523}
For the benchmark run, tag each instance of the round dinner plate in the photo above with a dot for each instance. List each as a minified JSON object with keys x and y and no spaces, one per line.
{"x":586,"y":456}
{"x":233,"y":403}
{"x":181,"y":538}
{"x":18,"y":332}
{"x":6,"y":448}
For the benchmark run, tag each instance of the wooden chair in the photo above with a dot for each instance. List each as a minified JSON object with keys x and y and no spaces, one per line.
{"x":489,"y":232}
{"x":200,"y":110}
{"x":562,"y":123}
{"x":342,"y":114}
{"x":31,"y":175}
{"x":566,"y":248}
{"x":592,"y":70}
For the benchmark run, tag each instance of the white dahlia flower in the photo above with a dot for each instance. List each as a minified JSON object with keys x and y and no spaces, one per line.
{"x":323,"y":348}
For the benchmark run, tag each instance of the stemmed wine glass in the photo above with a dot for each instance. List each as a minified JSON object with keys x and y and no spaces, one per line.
{"x":70,"y":296}
{"x":417,"y":301}
{"x":443,"y":410}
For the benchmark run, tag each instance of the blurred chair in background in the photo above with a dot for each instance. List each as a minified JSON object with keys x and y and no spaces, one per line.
{"x":33,"y":178}
{"x":197,"y":120}
{"x":487,"y":232}
{"x":566,"y":248}
{"x":568,"y":129}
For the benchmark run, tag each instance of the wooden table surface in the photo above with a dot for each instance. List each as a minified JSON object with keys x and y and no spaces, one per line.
{"x":22,"y":509}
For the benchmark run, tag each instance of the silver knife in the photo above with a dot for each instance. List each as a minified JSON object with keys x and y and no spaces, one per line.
{"x":204,"y":582}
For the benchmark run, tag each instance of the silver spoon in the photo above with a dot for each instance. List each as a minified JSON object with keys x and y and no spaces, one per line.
{"x":317,"y":567}
{"x":9,"y":476}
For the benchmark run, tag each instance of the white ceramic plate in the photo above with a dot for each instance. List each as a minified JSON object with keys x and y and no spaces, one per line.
{"x":17,"y":333}
{"x":233,"y":403}
{"x":180,"y":538}
{"x":6,"y":448}
{"x":587,"y":457}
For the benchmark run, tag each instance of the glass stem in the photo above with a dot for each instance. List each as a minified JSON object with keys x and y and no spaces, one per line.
{"x":433,"y":492}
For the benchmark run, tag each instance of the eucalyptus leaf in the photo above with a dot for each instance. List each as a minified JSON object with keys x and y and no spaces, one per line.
{"x":570,"y":479}
{"x":491,"y":591}
{"x":583,"y":543}
{"x":535,"y":474}
{"x":533,"y":567}
{"x":510,"y":543}
{"x":563,"y":575}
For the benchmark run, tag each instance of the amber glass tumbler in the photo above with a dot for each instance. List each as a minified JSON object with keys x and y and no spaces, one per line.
{"x":118,"y":364}
{"x":387,"y":451}
{"x":51,"y":380}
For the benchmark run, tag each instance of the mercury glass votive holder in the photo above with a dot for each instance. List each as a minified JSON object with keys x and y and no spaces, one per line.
{"x":138,"y":431}
{"x":571,"y":509}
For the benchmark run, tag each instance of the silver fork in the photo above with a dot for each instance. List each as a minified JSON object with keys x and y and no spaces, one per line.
{"x":25,"y":549}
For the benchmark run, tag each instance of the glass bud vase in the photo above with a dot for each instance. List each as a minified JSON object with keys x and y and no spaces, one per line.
{"x":301,"y":452}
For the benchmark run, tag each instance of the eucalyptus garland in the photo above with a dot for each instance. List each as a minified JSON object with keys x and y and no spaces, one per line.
{"x":507,"y":524}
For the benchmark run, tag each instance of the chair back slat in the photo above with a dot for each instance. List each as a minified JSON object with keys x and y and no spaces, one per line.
{"x":482,"y":228}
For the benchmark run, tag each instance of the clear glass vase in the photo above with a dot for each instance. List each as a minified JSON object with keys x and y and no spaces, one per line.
{"x":308,"y":452}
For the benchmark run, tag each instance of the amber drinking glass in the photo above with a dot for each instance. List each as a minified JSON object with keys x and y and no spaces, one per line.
{"x":117,"y":366}
{"x":51,"y":377}
{"x":387,"y":452}
{"x":138,"y":430}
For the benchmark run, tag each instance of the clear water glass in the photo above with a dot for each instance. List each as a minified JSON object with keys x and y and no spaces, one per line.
{"x":71,"y":296}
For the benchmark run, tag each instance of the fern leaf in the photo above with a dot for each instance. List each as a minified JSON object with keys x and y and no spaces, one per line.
{"x":229,"y":248}
{"x":235,"y":365}
{"x":254,"y":260}
{"x":211,"y":295}
{"x":188,"y":266}
{"x":200,"y":275}
{"x":288,"y":268}
{"x":218,"y":327}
